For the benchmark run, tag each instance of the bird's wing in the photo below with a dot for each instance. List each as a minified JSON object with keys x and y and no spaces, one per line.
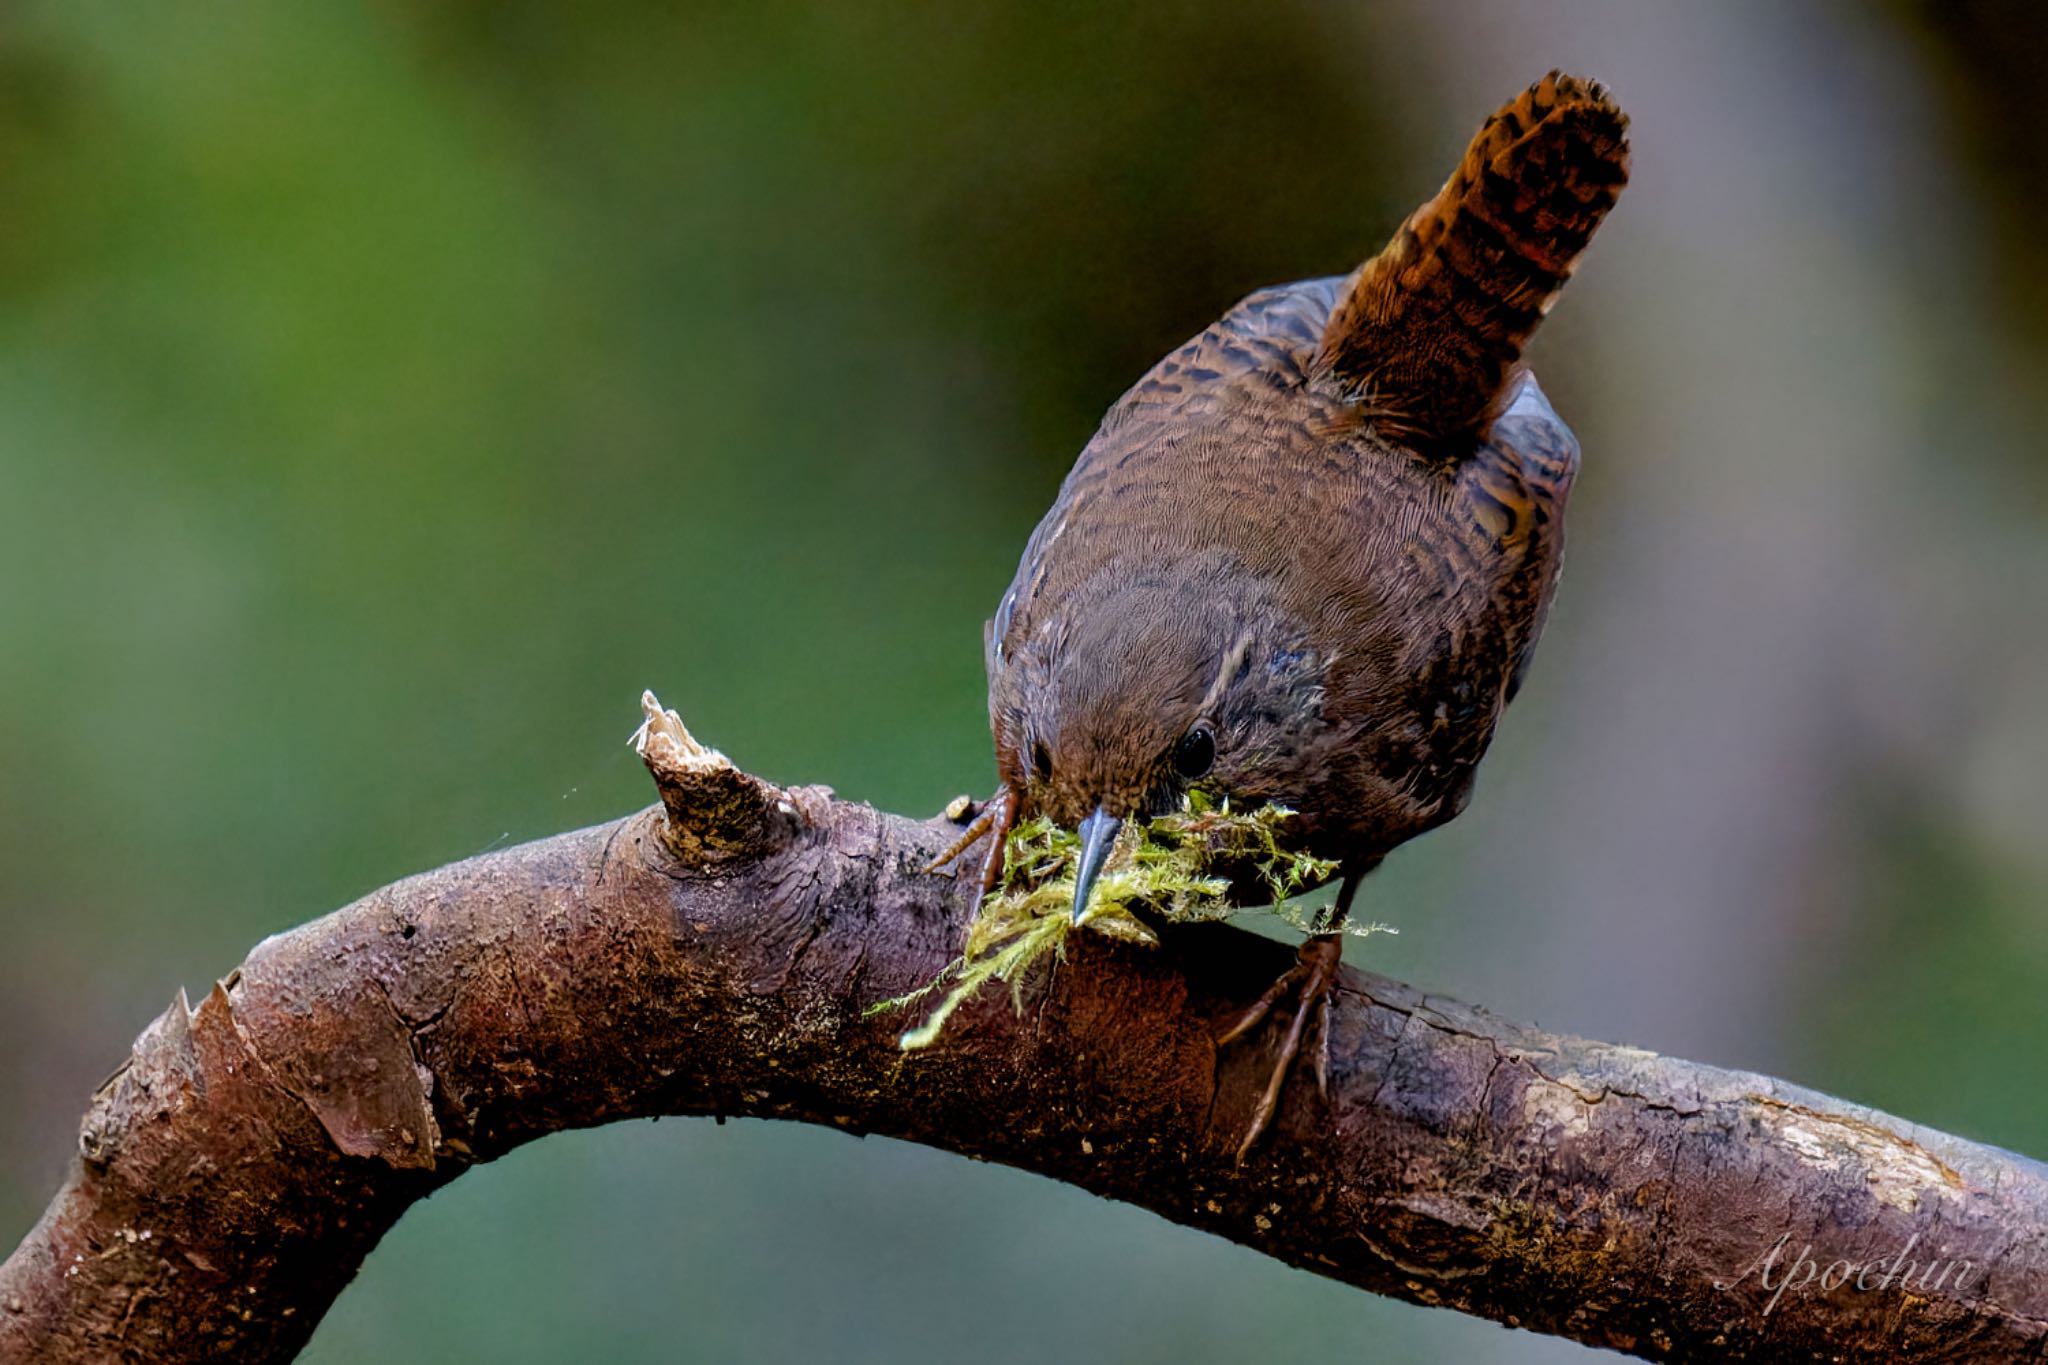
{"x":1272,"y":333}
{"x":1514,"y":491}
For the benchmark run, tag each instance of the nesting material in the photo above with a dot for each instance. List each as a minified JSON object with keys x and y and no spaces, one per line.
{"x":1177,"y":868}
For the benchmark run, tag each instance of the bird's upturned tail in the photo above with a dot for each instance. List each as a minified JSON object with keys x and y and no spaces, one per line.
{"x":1428,"y":331}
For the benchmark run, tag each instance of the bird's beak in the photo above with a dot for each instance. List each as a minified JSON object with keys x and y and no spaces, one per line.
{"x":1098,"y":836}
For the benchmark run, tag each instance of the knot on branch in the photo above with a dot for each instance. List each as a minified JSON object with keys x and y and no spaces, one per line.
{"x":716,"y":813}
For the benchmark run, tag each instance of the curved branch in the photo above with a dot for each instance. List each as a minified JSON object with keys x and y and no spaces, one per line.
{"x":713,"y":955}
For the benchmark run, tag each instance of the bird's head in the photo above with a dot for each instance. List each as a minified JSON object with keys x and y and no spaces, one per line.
{"x":1139,"y":689}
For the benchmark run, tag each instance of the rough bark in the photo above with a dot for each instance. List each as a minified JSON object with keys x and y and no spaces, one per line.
{"x":713,"y":955}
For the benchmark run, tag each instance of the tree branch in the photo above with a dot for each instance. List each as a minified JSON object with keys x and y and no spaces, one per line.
{"x":713,"y":955}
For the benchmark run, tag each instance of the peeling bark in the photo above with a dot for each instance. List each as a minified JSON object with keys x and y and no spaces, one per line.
{"x":713,"y":955}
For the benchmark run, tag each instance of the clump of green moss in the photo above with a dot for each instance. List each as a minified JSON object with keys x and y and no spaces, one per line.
{"x":1164,"y":869}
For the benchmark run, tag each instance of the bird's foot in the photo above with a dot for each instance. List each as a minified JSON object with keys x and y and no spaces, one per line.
{"x":997,"y":818}
{"x":1314,"y":972}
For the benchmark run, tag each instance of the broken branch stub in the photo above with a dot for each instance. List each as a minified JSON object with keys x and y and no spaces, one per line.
{"x":716,"y":813}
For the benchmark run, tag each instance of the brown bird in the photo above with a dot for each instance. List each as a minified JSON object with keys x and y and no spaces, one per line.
{"x":1305,"y":560}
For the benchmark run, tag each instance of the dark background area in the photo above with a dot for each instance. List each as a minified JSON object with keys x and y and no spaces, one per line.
{"x":389,"y":393}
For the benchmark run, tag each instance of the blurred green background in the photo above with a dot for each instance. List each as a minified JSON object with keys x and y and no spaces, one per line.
{"x":389,"y":392}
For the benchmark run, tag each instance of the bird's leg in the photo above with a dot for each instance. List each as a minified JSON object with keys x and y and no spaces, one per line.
{"x":1314,"y":972}
{"x":1004,"y":803}
{"x":1329,"y":926}
{"x":998,"y":817}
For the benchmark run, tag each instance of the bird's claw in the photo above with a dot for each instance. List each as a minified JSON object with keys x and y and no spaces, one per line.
{"x":1315,"y":970}
{"x":998,"y":817}
{"x":976,"y":829}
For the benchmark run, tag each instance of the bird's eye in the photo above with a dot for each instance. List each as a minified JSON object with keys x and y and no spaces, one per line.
{"x":1196,"y":752}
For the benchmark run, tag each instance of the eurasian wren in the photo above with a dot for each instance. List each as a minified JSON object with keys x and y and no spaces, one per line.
{"x":1306,"y":559}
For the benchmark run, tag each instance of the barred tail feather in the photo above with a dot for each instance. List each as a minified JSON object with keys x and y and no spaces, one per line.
{"x":1429,"y":331}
